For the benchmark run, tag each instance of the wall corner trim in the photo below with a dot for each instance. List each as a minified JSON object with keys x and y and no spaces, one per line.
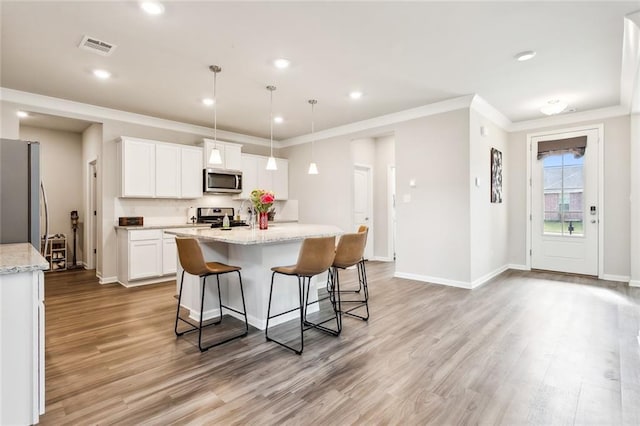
{"x":489,"y":111}
{"x":433,"y":280}
{"x":107,"y":280}
{"x":488,"y":277}
{"x":617,"y":278}
{"x":518,"y":267}
{"x":634,"y":283}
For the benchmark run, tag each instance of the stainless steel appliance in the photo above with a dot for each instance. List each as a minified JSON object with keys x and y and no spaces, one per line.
{"x":219,"y":181}
{"x":215,"y":216}
{"x":20,"y":189}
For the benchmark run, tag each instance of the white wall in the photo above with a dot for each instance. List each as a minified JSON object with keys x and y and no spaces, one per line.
{"x":9,"y":122}
{"x":616,"y":194}
{"x":488,"y":221}
{"x":384,"y":157}
{"x":433,"y":227}
{"x":635,"y":200}
{"x":61,"y":173}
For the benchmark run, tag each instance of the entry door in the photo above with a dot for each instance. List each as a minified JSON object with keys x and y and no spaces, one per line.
{"x":564,"y":213}
{"x":363,"y":204}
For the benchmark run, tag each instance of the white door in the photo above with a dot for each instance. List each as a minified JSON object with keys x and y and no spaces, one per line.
{"x":93,"y":218}
{"x":564,"y":207}
{"x":363,"y":204}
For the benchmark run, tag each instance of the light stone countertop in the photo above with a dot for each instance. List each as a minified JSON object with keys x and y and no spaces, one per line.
{"x":21,"y":257}
{"x":186,"y":225}
{"x":276,"y":233}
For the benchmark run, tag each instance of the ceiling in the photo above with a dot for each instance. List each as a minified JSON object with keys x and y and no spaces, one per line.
{"x":400,"y":55}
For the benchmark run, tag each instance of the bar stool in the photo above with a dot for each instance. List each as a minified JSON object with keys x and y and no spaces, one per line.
{"x":192,"y":262}
{"x":315,"y":257}
{"x":350,"y":252}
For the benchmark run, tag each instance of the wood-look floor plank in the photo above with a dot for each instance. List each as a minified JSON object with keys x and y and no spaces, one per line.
{"x":526,"y":348}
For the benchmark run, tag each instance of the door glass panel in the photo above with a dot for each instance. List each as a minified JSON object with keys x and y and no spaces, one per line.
{"x":563,"y":177}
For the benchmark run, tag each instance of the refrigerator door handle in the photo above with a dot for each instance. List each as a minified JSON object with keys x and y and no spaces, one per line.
{"x":46,"y":220}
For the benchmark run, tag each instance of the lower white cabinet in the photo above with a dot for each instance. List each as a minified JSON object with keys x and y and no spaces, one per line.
{"x":22,"y":352}
{"x":145,"y":256}
{"x":169,"y":254}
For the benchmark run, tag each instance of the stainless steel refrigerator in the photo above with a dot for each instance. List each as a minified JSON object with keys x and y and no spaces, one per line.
{"x":20,"y":190}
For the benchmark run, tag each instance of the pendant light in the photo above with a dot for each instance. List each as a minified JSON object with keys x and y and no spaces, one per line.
{"x":215,"y":157}
{"x":313,"y":168}
{"x":271,"y":163}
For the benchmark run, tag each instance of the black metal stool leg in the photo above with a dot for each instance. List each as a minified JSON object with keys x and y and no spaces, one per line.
{"x":204,"y":282}
{"x":266,"y":330}
{"x":178,"y":309}
{"x":244,"y":306}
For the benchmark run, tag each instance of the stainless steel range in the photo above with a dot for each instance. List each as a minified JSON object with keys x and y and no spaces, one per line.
{"x":215,"y":216}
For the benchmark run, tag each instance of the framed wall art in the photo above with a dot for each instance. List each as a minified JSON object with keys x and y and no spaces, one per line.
{"x":496,"y":176}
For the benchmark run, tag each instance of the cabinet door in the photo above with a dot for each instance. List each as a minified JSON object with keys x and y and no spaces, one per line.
{"x":232,"y":157}
{"x":145,"y":259}
{"x":281,"y":179}
{"x":191,"y":173}
{"x":169,"y":255}
{"x":249,"y":176}
{"x":167,"y":171}
{"x":265,"y":177}
{"x":138,"y":166}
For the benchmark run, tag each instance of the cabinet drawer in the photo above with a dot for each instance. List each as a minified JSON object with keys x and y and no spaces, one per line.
{"x":145,"y":234}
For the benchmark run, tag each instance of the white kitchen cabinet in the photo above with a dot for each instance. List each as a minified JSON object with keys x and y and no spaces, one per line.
{"x":274,"y":180}
{"x":256,"y":176}
{"x":145,"y":256}
{"x":169,"y":254}
{"x":231,"y":154}
{"x":249,"y":170}
{"x":151,"y":169}
{"x":168,"y":171}
{"x":22,"y":350}
{"x":137,"y":160}
{"x":191,"y":172}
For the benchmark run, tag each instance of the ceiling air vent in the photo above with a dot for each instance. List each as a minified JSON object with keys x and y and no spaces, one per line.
{"x":97,"y":46}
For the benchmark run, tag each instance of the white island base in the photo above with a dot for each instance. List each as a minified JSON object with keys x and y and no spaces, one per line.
{"x":256,"y":252}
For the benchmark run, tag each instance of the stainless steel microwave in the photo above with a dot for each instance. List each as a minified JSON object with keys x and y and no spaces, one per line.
{"x":220,"y":181}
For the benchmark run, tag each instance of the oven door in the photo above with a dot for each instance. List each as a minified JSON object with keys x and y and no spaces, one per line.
{"x":222,"y":181}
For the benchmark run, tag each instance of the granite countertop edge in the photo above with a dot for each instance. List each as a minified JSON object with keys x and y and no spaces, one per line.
{"x":20,"y":257}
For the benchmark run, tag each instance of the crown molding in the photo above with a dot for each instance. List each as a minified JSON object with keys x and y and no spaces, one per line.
{"x":564,"y":119}
{"x":487,"y":110}
{"x":384,"y":120}
{"x":71,"y":109}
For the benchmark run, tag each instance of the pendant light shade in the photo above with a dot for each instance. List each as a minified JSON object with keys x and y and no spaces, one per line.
{"x":215,"y":157}
{"x":313,"y":168}
{"x":271,"y":163}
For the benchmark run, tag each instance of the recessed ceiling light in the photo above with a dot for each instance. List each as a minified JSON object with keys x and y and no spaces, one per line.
{"x":278,"y":119}
{"x":355,"y":95}
{"x":208,"y":101}
{"x":22,"y":114}
{"x":152,"y":7}
{"x":554,"y":106}
{"x":281,"y":63}
{"x":525,"y":56}
{"x":102,"y":74}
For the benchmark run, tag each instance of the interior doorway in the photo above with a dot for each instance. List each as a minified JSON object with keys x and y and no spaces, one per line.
{"x":565,"y":193}
{"x":91,"y":216}
{"x":391,"y":203}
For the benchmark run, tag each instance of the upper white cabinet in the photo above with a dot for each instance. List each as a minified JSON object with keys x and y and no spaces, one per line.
{"x":231,"y":154}
{"x":137,"y":160}
{"x":168,"y":169}
{"x":256,"y":176}
{"x":150,"y":169}
{"x":191,"y":172}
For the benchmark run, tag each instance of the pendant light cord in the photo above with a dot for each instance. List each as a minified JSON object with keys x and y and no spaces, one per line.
{"x":271,"y":118}
{"x":215,"y":108}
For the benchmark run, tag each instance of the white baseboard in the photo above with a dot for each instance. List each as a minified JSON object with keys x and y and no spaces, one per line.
{"x":618,"y":278}
{"x":381,"y":259}
{"x":138,"y":283}
{"x":485,"y":278}
{"x":256,"y":322}
{"x":634,"y":283}
{"x":107,"y":280}
{"x":518,"y":267}
{"x":433,"y":280}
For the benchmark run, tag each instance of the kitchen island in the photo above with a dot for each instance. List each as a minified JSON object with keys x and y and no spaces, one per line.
{"x":21,"y":333}
{"x":256,"y":252}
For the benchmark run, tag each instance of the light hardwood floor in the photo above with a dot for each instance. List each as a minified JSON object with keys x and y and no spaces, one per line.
{"x":526,"y":348}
